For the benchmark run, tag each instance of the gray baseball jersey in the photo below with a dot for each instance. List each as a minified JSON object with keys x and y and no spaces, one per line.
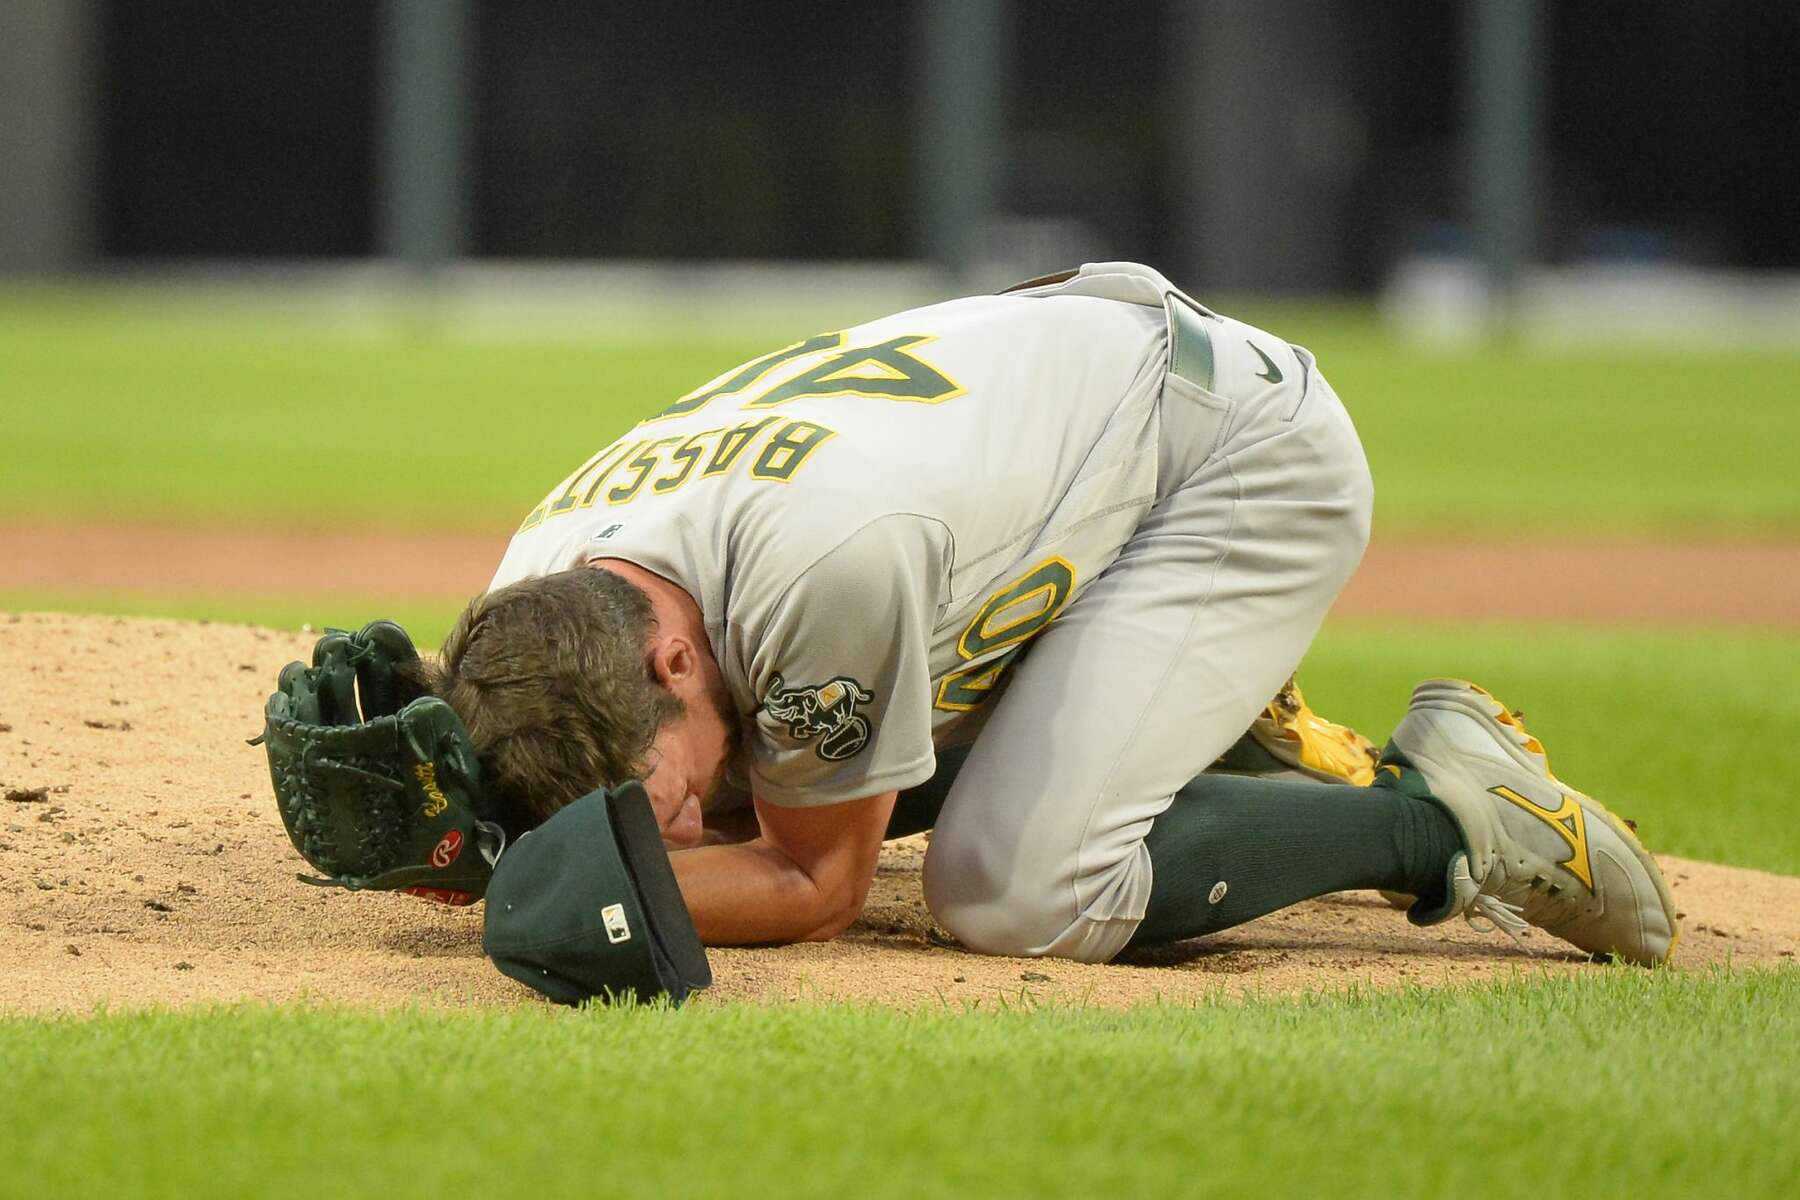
{"x":875,"y":522}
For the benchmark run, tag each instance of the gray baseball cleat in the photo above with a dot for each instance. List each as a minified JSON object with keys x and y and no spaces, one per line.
{"x":1539,"y":852}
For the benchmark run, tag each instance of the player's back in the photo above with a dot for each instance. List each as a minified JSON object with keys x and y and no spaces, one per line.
{"x":1016,"y":425}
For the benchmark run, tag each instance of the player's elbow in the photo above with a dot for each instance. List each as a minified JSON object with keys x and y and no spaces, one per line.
{"x":836,"y":913}
{"x":830,"y":901}
{"x":832,"y":852}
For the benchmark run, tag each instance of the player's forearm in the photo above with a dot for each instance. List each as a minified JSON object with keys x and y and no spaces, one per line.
{"x":752,"y":893}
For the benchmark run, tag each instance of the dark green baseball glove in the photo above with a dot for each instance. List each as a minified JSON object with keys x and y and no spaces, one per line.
{"x":376,"y":794}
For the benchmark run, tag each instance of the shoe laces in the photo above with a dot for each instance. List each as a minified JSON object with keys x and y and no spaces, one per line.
{"x":1487,"y":913}
{"x":1503,"y":905}
{"x":1483,"y":910}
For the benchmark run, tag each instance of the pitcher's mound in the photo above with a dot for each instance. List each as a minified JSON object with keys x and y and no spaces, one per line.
{"x":142,"y":861}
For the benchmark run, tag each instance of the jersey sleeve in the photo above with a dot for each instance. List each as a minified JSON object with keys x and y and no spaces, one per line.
{"x":841,"y":670}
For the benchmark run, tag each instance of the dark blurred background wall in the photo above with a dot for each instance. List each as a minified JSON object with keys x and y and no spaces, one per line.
{"x":1289,"y":144}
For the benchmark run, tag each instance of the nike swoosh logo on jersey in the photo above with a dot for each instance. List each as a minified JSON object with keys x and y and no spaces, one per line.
{"x":1273,"y":374}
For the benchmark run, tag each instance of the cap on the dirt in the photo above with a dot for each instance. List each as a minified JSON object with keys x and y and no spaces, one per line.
{"x":586,"y":906}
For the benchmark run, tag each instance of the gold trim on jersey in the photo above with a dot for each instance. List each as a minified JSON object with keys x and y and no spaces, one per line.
{"x":885,"y":370}
{"x":964,"y":689}
{"x":902,"y":376}
{"x":644,"y":463}
{"x":689,"y":454}
{"x":733,"y":443}
{"x":627,"y":449}
{"x":797,"y":450}
{"x":746,"y":375}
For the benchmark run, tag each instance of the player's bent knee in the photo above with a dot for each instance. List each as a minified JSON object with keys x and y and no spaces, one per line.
{"x":977,"y":909}
{"x":993,"y":929}
{"x":1019,"y":923}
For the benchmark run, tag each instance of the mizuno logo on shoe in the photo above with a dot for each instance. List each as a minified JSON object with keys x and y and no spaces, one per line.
{"x":1570,"y":824}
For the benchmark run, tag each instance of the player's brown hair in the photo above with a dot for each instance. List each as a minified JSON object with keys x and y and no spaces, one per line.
{"x":552,"y":677}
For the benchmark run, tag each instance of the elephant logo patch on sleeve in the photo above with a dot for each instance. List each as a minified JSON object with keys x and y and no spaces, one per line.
{"x":826,"y":711}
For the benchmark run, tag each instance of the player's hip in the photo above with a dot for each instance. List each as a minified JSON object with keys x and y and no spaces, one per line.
{"x":1293,"y":431}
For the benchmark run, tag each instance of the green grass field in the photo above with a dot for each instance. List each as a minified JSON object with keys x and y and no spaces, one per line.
{"x":1614,"y":1082}
{"x":116,"y":408}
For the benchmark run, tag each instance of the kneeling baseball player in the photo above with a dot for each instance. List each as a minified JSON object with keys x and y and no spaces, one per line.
{"x":1027,"y":569}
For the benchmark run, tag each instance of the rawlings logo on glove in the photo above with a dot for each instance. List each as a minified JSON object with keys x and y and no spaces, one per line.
{"x":448,"y":847}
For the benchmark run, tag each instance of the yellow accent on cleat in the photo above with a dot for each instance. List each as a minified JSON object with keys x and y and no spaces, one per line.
{"x":1290,"y":730}
{"x":1568,"y":824}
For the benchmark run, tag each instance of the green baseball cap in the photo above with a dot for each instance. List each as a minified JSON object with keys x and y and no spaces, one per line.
{"x":586,"y":906}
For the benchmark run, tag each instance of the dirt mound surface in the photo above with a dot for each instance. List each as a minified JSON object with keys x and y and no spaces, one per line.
{"x":142,"y":861}
{"x":1707,"y":581}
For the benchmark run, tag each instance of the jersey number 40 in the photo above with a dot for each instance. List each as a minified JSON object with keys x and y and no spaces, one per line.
{"x":884,"y":371}
{"x":1011,"y":617}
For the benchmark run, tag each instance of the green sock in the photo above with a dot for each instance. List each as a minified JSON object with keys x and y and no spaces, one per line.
{"x":1231,"y":849}
{"x":917,"y":808}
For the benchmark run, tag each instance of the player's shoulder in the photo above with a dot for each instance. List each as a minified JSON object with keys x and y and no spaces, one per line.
{"x":868,"y":550}
{"x":848,"y":567}
{"x":884,"y":544}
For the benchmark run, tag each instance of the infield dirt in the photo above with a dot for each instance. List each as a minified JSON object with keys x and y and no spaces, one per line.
{"x":142,"y":862}
{"x":1708,"y":581}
